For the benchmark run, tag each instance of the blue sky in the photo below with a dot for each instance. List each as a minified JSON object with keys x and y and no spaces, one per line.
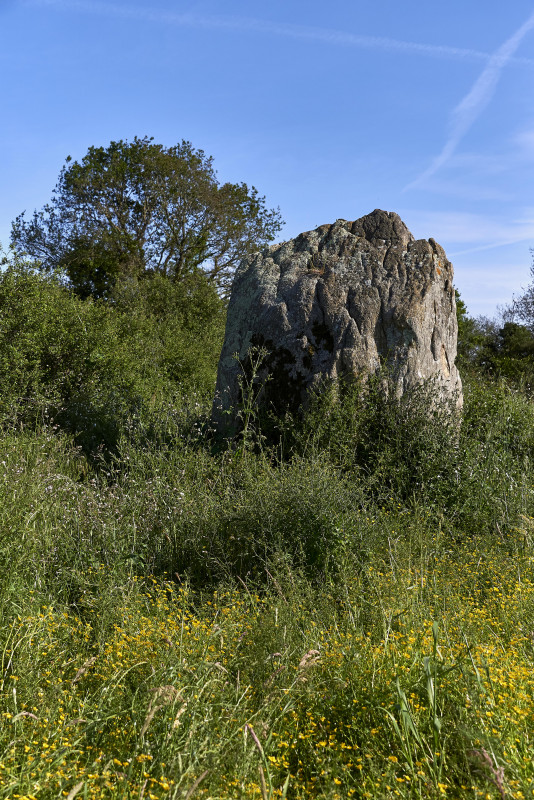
{"x":329,"y":109}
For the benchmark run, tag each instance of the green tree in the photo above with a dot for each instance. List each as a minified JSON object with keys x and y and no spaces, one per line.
{"x":470,"y":337}
{"x":523,"y":306}
{"x":509,"y":352}
{"x":138,"y":208}
{"x":501,"y":348}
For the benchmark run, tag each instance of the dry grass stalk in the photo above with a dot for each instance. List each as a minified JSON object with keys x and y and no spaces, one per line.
{"x":271,"y":678}
{"x":163,"y":696}
{"x":196,"y":784}
{"x":74,"y":791}
{"x":263,"y":785}
{"x":255,"y":739}
{"x":24,"y":714}
{"x":496,"y":773}
{"x":309,"y":659}
{"x":176,"y":722}
{"x":83,"y":669}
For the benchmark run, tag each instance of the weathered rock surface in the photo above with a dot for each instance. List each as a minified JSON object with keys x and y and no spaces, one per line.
{"x":341,"y":300}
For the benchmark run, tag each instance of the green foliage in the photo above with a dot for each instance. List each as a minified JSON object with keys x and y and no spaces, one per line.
{"x":504,"y":350}
{"x":509,"y":353}
{"x":471,"y":468}
{"x":409,"y":666}
{"x":60,"y":358}
{"x":523,"y":306}
{"x":489,"y":487}
{"x":138,"y":207}
{"x":396,"y":445}
{"x":177,"y":328}
{"x":470,"y":337}
{"x":345,"y":614}
{"x":94,"y":368}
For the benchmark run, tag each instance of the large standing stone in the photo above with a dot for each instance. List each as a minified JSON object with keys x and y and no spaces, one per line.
{"x":341,"y":300}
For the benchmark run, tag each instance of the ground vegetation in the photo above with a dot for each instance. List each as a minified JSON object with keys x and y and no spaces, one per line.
{"x":344,"y":610}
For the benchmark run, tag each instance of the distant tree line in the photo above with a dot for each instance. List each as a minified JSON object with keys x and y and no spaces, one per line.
{"x":502,"y":347}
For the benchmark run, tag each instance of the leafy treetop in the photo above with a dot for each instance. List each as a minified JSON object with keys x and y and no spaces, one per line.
{"x":137,"y":207}
{"x":523,"y":306}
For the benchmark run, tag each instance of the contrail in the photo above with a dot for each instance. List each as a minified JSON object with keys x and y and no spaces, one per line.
{"x":326,"y":36}
{"x":472,"y":105}
{"x":491,"y":246}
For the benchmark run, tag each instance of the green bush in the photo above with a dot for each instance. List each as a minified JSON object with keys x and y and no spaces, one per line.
{"x":60,"y":358}
{"x":93,"y":367}
{"x":472,"y":468}
{"x":394,"y":446}
{"x":178,"y":328}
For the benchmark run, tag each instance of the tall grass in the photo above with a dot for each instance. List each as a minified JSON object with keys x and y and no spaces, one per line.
{"x":346,"y":614}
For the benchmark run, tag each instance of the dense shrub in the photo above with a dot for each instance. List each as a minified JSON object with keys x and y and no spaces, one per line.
{"x":471,"y":467}
{"x":91,"y":367}
{"x":178,"y":328}
{"x":401,"y":446}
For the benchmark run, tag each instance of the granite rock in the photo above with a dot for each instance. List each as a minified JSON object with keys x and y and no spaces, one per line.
{"x":344,"y":299}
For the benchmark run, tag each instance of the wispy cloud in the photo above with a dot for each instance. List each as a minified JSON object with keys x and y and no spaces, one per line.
{"x":476,"y":100}
{"x":525,"y":140}
{"x":327,"y":36}
{"x":469,"y":232}
{"x":471,"y":190}
{"x":493,"y":245}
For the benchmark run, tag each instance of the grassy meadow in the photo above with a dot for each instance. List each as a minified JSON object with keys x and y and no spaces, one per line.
{"x":344,"y":610}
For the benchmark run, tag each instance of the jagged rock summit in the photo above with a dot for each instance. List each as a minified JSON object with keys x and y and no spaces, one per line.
{"x":341,"y":300}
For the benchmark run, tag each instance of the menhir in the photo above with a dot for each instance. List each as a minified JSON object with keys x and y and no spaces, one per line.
{"x":343,"y":300}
